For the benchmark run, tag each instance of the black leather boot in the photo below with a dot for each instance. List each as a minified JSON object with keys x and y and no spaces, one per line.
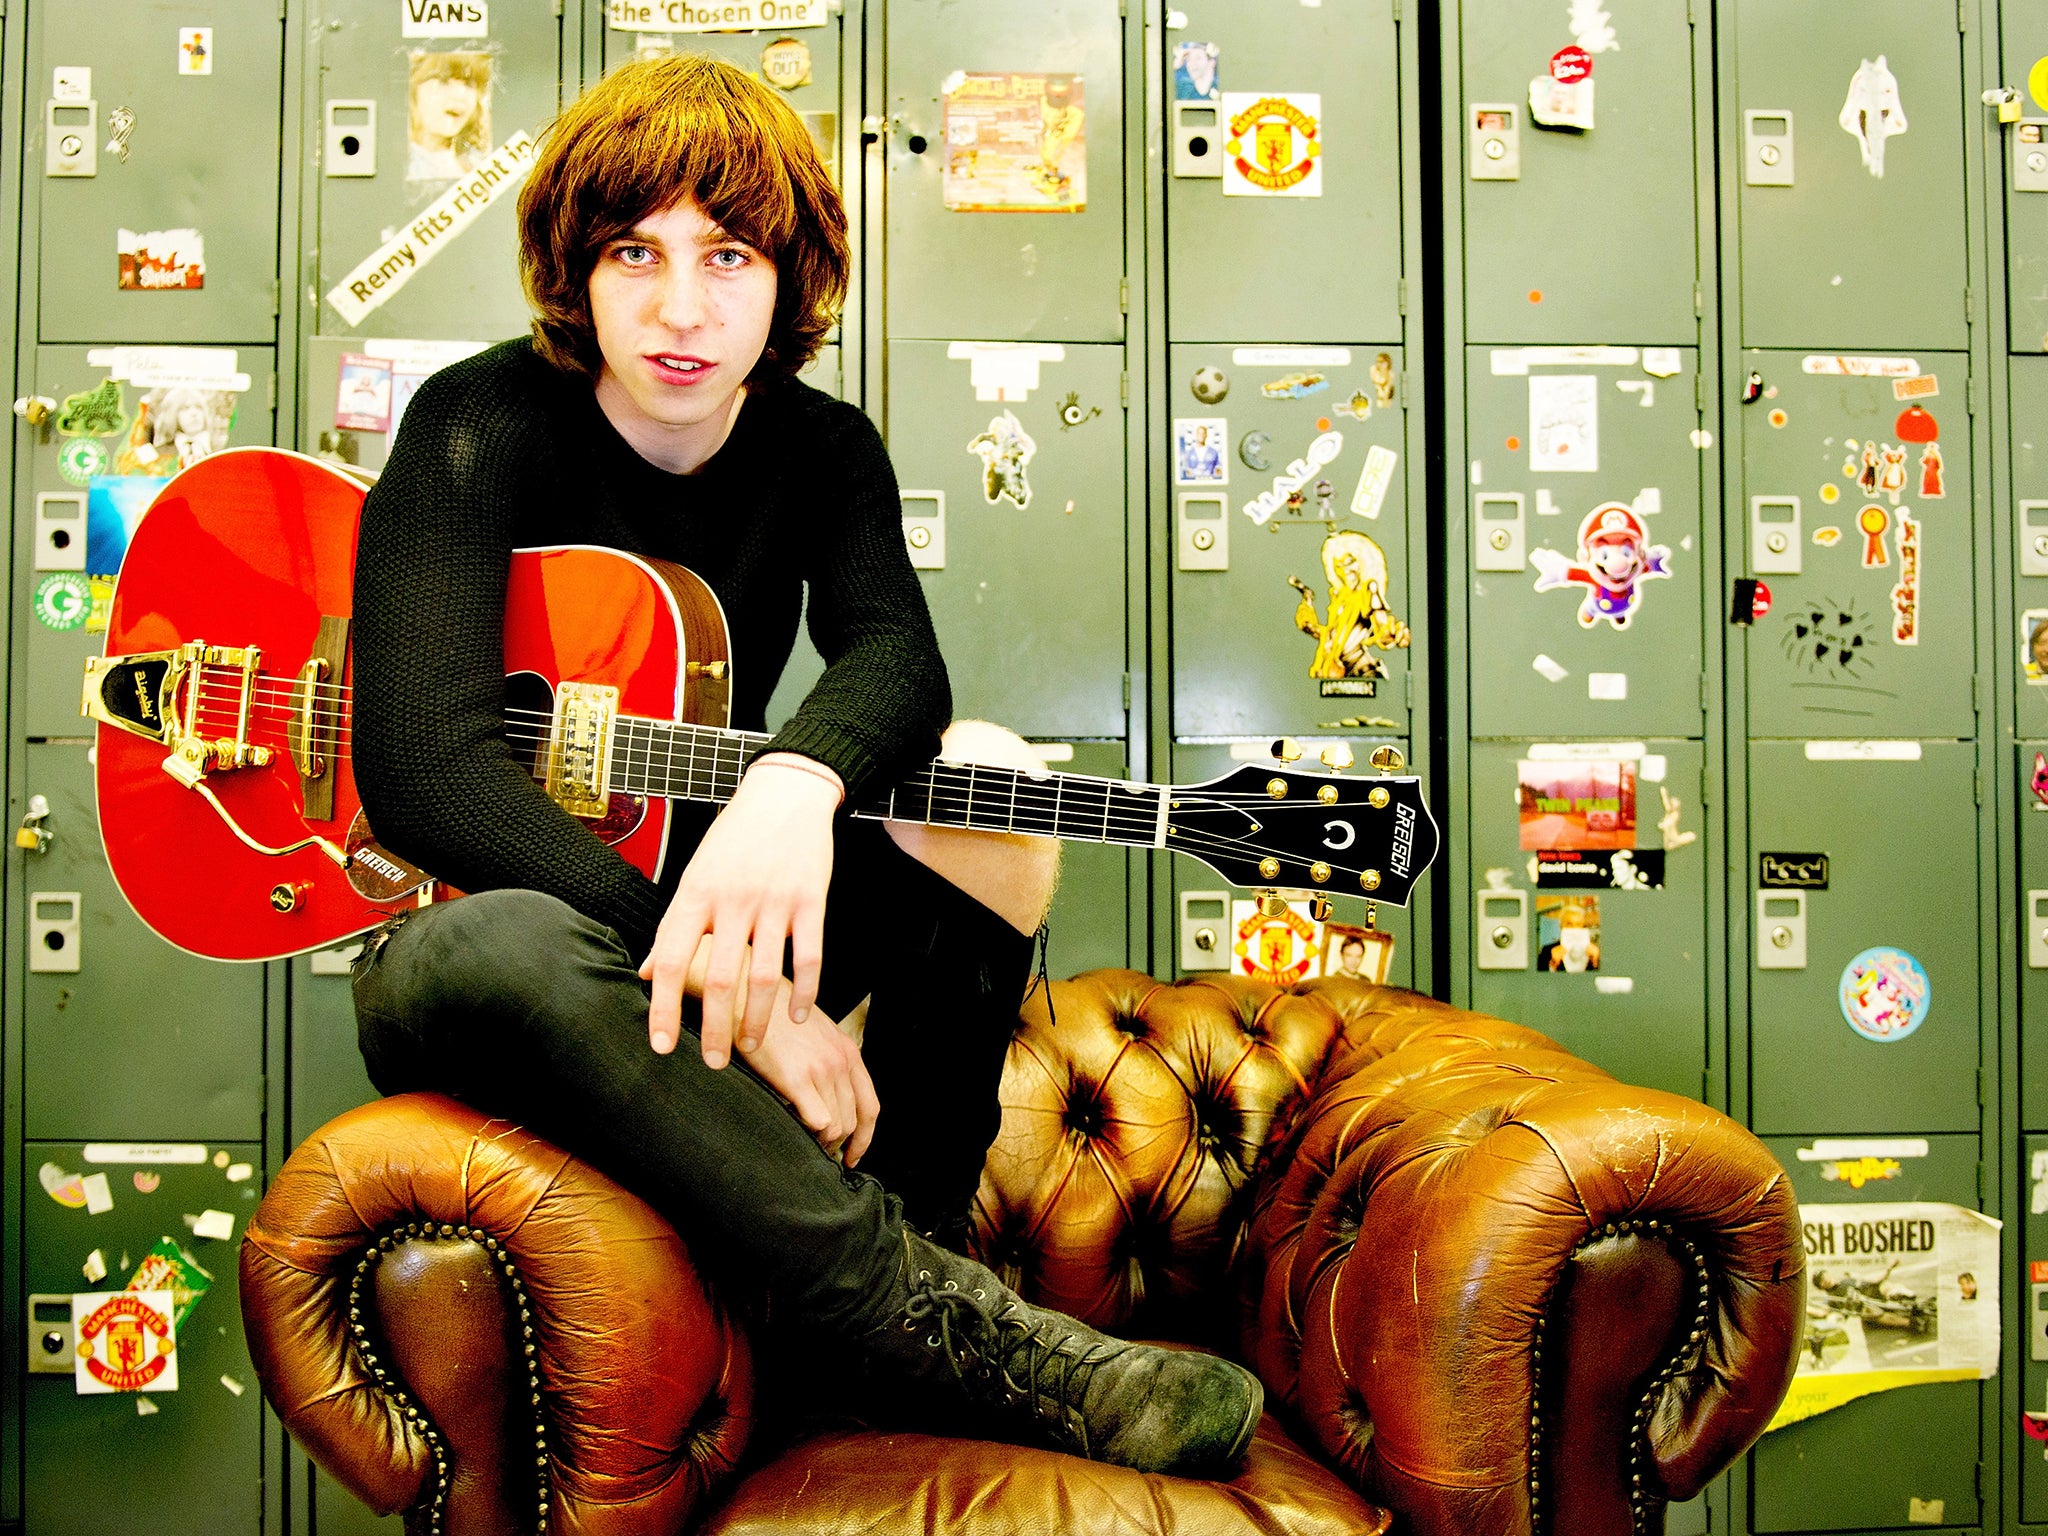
{"x":964,"y":1338}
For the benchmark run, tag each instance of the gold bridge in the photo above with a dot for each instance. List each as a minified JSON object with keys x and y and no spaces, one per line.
{"x":157,"y":695}
{"x":580,"y":747}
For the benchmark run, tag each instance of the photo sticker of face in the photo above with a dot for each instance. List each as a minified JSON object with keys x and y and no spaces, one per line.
{"x":1568,"y":933}
{"x":175,"y":427}
{"x":448,"y":97}
{"x":1198,"y":456}
{"x":2034,"y":646}
{"x":1364,"y":954}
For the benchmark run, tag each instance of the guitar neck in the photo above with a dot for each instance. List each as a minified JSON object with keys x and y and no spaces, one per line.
{"x":666,"y":760}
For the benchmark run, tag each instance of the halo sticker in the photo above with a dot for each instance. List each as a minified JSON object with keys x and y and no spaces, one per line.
{"x":1885,"y":994}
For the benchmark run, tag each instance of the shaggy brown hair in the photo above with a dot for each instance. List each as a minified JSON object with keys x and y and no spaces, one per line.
{"x":659,"y":132}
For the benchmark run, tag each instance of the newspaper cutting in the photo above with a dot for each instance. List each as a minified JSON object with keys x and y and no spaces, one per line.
{"x":1896,"y":1295}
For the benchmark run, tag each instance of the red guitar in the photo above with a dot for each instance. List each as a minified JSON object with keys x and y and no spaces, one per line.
{"x":231,"y":818}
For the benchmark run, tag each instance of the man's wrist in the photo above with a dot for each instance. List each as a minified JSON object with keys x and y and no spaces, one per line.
{"x":808,"y":766}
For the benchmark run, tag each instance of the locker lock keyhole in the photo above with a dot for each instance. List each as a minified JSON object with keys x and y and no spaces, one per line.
{"x":1499,"y":538}
{"x":915,"y":144}
{"x":1205,"y":939}
{"x":53,"y":1342}
{"x":60,"y":538}
{"x":53,"y":940}
{"x":1769,"y":154}
{"x":1503,"y":937}
{"x":1198,"y":146}
{"x":351,"y":145}
{"x":1781,"y":936}
{"x":2041,"y":543}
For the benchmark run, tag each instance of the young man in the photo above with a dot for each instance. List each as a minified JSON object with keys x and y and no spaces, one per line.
{"x":686,"y":254}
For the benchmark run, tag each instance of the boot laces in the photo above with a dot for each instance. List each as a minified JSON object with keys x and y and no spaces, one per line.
{"x":1003,"y":1345}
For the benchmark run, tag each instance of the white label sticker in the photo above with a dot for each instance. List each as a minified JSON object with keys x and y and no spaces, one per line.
{"x":71,"y":82}
{"x":1004,"y":370}
{"x":1861,"y":367}
{"x":1607,"y":685}
{"x":1291,"y":357}
{"x":390,"y":267}
{"x":1649,"y":501}
{"x":143,"y":1152}
{"x":1653,"y":768}
{"x":214,"y":1224}
{"x":1373,"y":480}
{"x":1550,"y":669}
{"x":98,"y":1198}
{"x":1662,"y":362}
{"x":1863,"y":751}
{"x":1834,"y":1150}
{"x":1586,"y":751}
{"x":1509,"y":363}
{"x":1614,"y":986}
{"x":713,"y":15}
{"x":444,"y":18}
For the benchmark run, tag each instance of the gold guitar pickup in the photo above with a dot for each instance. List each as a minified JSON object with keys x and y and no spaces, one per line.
{"x":579,"y":755}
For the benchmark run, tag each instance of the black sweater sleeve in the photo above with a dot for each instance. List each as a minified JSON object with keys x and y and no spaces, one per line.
{"x":884,"y":697}
{"x":436,"y":775}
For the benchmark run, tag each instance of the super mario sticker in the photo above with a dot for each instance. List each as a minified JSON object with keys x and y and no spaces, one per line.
{"x":1274,"y":145}
{"x":1885,"y":994}
{"x":126,"y":1342}
{"x":1358,"y":621}
{"x":1615,"y":557}
{"x":1005,"y":451}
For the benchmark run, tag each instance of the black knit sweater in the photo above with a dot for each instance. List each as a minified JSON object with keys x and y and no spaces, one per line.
{"x":503,"y":451}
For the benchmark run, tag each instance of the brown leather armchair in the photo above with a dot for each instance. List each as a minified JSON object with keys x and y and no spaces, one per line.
{"x":1487,"y":1287}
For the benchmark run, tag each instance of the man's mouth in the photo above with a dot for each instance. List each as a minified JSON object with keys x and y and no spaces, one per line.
{"x":680,"y":367}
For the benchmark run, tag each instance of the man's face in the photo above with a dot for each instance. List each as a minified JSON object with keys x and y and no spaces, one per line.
{"x":682,"y":312}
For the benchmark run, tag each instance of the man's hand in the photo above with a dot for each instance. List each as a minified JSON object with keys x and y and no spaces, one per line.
{"x":757,"y":882}
{"x":819,"y":1070}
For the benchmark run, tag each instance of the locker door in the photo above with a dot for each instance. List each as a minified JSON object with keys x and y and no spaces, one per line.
{"x":132,"y":435}
{"x":1243,"y":665}
{"x":1026,"y":576}
{"x":1217,"y":930}
{"x":1852,"y":239}
{"x":141,"y":1040}
{"x":2027,"y":1314}
{"x":1284,"y":267}
{"x":1014,"y":229}
{"x":2031,"y":898}
{"x":1576,"y":658}
{"x":1088,"y":927}
{"x":327,"y":1072}
{"x":1897,"y":822}
{"x":1820,"y":1474}
{"x":441,"y":106}
{"x":202,"y":156}
{"x":1637,"y":1007}
{"x":92,"y":1463}
{"x":1540,"y":249}
{"x":2024,"y":171}
{"x":1870,"y":628}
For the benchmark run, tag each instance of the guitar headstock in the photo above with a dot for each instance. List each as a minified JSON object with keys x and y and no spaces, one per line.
{"x":1279,"y":824}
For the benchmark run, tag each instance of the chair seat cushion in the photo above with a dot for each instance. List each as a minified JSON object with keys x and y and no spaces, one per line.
{"x":870,"y":1480}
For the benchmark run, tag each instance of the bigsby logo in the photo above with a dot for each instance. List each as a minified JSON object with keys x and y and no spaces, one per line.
{"x":144,"y":701}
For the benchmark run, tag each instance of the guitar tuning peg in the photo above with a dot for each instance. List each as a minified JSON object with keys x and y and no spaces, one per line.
{"x":1319,"y":908}
{"x":1287,"y":749}
{"x":1337,"y":757}
{"x":1388,"y":759}
{"x":1272,"y":904}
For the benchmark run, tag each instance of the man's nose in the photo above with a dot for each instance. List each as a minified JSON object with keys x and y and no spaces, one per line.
{"x":683,"y":300}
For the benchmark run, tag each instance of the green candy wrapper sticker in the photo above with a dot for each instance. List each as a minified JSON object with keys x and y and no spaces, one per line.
{"x":167,"y":1267}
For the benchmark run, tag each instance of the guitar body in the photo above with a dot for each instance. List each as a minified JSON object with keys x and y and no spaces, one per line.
{"x":255,"y":548}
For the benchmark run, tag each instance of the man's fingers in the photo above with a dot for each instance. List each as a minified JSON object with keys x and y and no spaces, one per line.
{"x":771,"y":925}
{"x":667,"y":968}
{"x":866,"y":1108}
{"x":721,"y":986}
{"x":806,"y":955}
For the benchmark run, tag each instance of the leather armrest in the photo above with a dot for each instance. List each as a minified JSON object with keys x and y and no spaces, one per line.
{"x":1462,"y":1196}
{"x":596,"y":1373}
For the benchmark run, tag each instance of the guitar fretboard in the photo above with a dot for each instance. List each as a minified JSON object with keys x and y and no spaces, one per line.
{"x":672,"y":761}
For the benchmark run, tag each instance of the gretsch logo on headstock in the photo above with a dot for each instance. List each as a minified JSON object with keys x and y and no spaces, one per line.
{"x":1402,"y":858}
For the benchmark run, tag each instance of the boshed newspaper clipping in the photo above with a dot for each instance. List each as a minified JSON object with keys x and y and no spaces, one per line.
{"x":1896,"y":1295}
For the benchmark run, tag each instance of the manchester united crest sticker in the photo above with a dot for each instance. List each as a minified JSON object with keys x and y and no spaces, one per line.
{"x":1275,"y":144}
{"x":126,"y":1341}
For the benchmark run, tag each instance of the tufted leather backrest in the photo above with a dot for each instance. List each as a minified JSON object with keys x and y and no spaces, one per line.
{"x":1204,"y":1160}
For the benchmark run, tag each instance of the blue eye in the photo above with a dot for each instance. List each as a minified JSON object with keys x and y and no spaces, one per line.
{"x":739,"y":258}
{"x":634,"y":255}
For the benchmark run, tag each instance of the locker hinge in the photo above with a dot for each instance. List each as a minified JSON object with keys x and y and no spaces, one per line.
{"x":1699,"y":392}
{"x":1962,"y":15}
{"x":1970,"y":395}
{"x":273,"y":298}
{"x":1404,"y":390}
{"x":1127,"y":690}
{"x":1699,"y":300}
{"x":1980,"y":1166}
{"x":1703,"y":699}
{"x":1976,"y":694}
{"x":1123,"y":390}
{"x":558,"y":7}
{"x":1690,"y":17}
{"x":1706,"y":786}
{"x":1977,"y":784}
{"x":1123,"y":295}
{"x":1401,"y":297}
{"x":1397,"y":12}
{"x":1408,"y":691}
{"x":270,"y":390}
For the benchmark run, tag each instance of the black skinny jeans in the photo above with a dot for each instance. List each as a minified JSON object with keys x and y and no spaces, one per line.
{"x":520,"y":1006}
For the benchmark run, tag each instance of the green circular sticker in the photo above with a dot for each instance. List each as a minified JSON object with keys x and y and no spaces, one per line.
{"x":80,"y":459}
{"x":62,"y":601}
